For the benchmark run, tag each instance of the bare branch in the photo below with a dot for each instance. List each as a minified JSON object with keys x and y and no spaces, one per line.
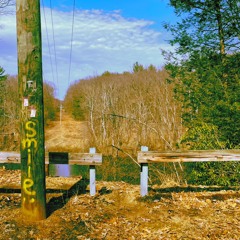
{"x":121,"y":150}
{"x":6,"y":6}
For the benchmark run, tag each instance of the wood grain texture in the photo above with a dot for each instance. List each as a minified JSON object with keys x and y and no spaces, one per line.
{"x":189,"y":156}
{"x":74,"y":158}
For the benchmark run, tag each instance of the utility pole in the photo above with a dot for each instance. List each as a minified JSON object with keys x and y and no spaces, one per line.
{"x":30,"y":84}
{"x":61,"y":107}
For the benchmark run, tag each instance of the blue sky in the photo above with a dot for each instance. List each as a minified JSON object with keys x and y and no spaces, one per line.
{"x":155,"y":10}
{"x":108,"y":35}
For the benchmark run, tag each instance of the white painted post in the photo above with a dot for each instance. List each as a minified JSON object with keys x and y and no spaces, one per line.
{"x":144,"y":175}
{"x":92,"y":173}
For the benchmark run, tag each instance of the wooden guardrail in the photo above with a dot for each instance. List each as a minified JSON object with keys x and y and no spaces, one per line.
{"x":10,"y":157}
{"x":91,"y":159}
{"x":146,"y":157}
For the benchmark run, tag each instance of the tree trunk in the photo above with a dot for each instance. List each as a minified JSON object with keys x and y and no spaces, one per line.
{"x":220,"y":28}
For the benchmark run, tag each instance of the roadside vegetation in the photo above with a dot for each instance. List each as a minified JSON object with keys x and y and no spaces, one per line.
{"x":9,"y":110}
{"x":193,"y":102}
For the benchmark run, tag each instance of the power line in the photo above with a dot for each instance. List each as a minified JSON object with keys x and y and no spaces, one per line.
{"x":54,"y":43}
{"x":49,"y":50}
{"x":70,"y":58}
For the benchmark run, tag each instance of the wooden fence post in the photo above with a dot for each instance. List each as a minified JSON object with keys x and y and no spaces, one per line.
{"x":144,"y":175}
{"x":30,"y":85}
{"x":92,"y":173}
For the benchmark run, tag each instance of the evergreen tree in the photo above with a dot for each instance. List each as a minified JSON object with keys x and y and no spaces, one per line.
{"x":207,"y":81}
{"x":207,"y":77}
{"x":137,"y":67}
{"x":206,"y":25}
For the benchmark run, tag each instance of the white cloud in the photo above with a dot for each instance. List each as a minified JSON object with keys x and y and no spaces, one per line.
{"x":102,"y":41}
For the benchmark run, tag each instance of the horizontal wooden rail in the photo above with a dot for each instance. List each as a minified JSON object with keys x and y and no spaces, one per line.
{"x":92,"y":159}
{"x":73,"y":158}
{"x":146,"y":157}
{"x":85,"y":158}
{"x":10,"y":157}
{"x":189,"y":156}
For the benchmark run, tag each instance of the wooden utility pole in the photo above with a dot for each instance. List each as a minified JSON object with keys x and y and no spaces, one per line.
{"x":30,"y":85}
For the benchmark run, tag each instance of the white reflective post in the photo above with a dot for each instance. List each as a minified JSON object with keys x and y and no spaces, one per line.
{"x":92,"y":173}
{"x":144,"y":175}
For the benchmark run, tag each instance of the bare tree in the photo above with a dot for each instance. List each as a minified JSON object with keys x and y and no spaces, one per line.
{"x":126,"y":111}
{"x":6,"y":6}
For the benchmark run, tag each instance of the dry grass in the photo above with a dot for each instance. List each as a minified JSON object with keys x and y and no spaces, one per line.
{"x":118,"y":212}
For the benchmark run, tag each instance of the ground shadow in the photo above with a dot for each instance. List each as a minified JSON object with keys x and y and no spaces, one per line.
{"x":58,"y":202}
{"x":194,"y":189}
{"x":59,"y":196}
{"x":10,"y":190}
{"x":157,"y":194}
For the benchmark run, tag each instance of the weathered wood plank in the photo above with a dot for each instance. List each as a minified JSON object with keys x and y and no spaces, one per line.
{"x":85,"y":158}
{"x":189,"y":156}
{"x":10,"y":157}
{"x":74,"y":158}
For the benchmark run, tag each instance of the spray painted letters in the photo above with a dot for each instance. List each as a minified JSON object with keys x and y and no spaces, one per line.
{"x":30,"y":143}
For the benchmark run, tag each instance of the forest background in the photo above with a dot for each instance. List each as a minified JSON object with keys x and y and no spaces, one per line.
{"x":193,"y":102}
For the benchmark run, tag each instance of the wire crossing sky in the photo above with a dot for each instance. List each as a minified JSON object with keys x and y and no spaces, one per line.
{"x":84,"y":38}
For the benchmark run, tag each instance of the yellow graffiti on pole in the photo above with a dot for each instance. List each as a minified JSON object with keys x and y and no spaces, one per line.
{"x":29,"y":157}
{"x":28,"y":183}
{"x":32,"y":132}
{"x":30,"y":143}
{"x":26,"y":143}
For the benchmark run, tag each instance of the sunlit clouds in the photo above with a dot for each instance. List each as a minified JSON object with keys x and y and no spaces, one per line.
{"x":101,"y":41}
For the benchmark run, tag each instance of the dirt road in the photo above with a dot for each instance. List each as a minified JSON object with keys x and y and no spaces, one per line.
{"x":67,"y":135}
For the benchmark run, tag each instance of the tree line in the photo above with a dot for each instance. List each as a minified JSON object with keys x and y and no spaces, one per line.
{"x":9,"y":110}
{"x":199,"y":84}
{"x":193,"y":102}
{"x":125,"y":111}
{"x":205,"y":72}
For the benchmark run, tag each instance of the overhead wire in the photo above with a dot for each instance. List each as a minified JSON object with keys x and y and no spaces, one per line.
{"x":71,"y":47}
{"x":48,"y":42}
{"x":54,"y":44}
